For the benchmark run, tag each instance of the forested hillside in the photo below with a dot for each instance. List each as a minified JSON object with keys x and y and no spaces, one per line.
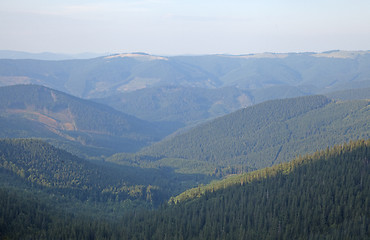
{"x":189,"y":105}
{"x":321,"y":196}
{"x":259,"y":175}
{"x":72,"y":123}
{"x":268,"y":133}
{"x":42,"y":164}
{"x":180,"y":104}
{"x":50,"y":169}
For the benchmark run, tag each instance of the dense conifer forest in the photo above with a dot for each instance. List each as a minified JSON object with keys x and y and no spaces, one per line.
{"x":321,"y":196}
{"x":261,"y":135}
{"x":41,"y":166}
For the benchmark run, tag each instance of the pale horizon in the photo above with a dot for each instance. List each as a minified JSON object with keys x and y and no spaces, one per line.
{"x":168,"y":28}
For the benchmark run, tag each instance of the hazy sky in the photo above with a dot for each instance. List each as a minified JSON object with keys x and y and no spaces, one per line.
{"x":172,"y":27}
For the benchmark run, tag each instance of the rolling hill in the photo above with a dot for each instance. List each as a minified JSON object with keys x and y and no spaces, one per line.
{"x":265,"y":134}
{"x":76,"y":124}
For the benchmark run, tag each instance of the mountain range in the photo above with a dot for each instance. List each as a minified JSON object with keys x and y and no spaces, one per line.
{"x":136,"y":146}
{"x":212,"y":85}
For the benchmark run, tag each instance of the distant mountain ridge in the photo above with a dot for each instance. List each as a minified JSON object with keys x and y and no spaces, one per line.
{"x":106,"y":76}
{"x":49,"y":56}
{"x":209,"y":86}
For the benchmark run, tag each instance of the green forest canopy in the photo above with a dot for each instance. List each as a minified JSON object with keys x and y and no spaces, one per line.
{"x":321,"y":196}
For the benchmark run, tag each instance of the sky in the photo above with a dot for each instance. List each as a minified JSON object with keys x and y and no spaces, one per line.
{"x":186,"y":27}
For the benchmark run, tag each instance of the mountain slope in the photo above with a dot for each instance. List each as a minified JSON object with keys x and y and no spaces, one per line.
{"x":56,"y":170}
{"x":180,"y":104}
{"x":268,"y":133}
{"x":324,"y":196}
{"x":188,"y":105}
{"x":36,"y":111}
{"x":40,"y":166}
{"x":285,"y":168}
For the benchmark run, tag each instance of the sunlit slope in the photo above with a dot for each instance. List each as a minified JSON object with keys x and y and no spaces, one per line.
{"x":321,"y":196}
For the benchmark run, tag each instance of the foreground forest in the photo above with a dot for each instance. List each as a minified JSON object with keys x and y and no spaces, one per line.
{"x":321,"y":196}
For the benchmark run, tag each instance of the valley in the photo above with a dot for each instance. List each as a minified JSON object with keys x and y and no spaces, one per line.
{"x":138,"y":146}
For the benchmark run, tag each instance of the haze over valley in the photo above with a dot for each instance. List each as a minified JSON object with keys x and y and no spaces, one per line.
{"x":156,"y":119}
